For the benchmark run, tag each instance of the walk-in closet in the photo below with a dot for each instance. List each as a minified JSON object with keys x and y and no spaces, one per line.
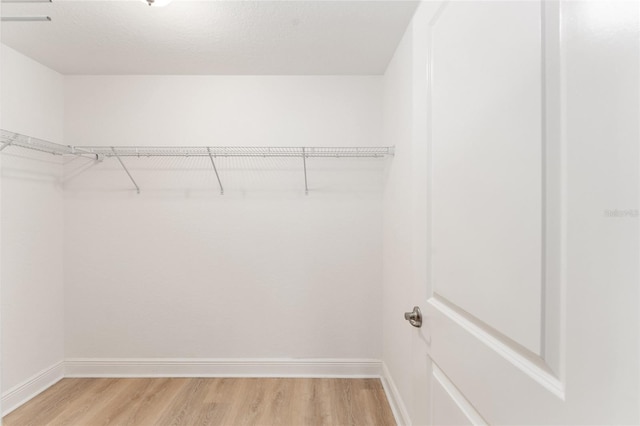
{"x":303,"y":212}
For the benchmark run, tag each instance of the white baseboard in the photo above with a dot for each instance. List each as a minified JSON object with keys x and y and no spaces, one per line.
{"x":172,"y":367}
{"x":18,"y":395}
{"x":398,"y":407}
{"x":185,"y":367}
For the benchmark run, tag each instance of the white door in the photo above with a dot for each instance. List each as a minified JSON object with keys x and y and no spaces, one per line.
{"x":533,"y":213}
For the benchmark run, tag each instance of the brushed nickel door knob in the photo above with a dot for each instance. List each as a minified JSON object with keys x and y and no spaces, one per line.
{"x":414,"y":317}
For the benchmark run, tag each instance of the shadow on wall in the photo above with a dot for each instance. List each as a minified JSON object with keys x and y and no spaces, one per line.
{"x":32,"y":166}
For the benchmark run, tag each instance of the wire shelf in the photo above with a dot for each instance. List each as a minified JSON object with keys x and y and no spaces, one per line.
{"x":8,"y":139}
{"x":236,"y":151}
{"x":11,"y":139}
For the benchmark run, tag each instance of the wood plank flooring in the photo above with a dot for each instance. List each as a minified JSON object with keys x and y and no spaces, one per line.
{"x":205,"y":401}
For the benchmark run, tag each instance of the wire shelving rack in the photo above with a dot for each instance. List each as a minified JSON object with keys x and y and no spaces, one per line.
{"x":99,"y":153}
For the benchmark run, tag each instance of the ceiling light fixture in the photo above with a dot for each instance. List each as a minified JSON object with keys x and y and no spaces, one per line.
{"x":157,"y":3}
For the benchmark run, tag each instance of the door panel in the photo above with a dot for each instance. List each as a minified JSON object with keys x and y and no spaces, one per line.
{"x":453,"y":407}
{"x":504,"y":385}
{"x":487,"y":164}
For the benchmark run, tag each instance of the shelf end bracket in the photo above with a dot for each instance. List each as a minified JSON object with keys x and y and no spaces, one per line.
{"x":304,"y":163}
{"x":9,"y":142}
{"x":125,"y":169}
{"x":215,"y":169}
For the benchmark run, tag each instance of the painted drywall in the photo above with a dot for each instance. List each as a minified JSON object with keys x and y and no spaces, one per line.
{"x":223,"y":110}
{"x":32,"y":99}
{"x":405,"y":282}
{"x":262,"y":271}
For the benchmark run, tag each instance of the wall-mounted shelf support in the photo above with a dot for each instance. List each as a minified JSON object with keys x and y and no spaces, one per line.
{"x":304,"y":163}
{"x":215,"y":169}
{"x":8,"y":142}
{"x":4,"y":145}
{"x":125,"y":169}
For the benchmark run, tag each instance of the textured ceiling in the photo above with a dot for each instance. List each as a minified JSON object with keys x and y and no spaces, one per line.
{"x":211,"y":37}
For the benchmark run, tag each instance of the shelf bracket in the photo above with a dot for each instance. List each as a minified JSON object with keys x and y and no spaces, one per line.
{"x":125,"y":169}
{"x":83,"y":153}
{"x":215,"y":169}
{"x":304,"y":163}
{"x":9,"y":142}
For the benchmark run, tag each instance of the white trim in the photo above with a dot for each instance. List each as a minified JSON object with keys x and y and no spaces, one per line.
{"x":23,"y":392}
{"x":398,"y":407}
{"x":458,"y":399}
{"x":537,"y":371}
{"x":215,"y":367}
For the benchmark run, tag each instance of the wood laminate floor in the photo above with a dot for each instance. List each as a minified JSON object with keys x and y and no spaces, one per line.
{"x":204,"y":401}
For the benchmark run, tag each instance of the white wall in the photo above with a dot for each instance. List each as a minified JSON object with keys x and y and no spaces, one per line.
{"x":32,"y":99}
{"x":223,"y":110}
{"x":264,"y":271}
